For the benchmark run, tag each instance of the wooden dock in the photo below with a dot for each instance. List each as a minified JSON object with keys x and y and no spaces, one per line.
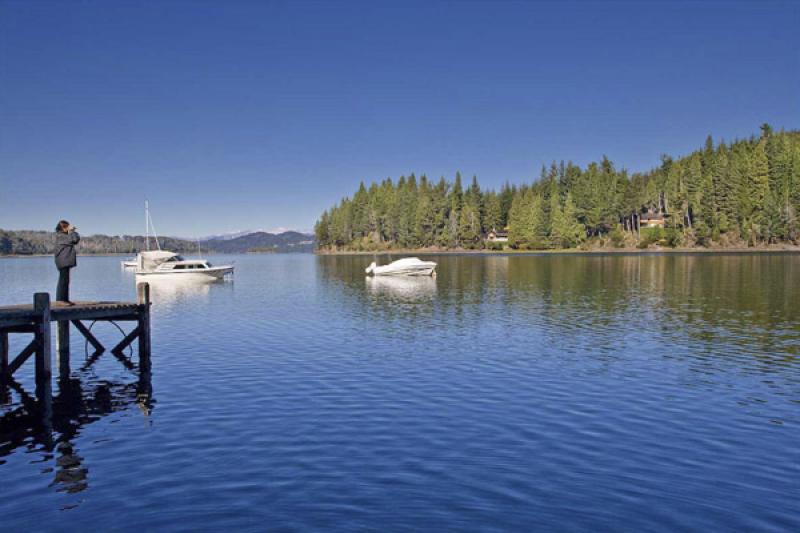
{"x":36,"y":319}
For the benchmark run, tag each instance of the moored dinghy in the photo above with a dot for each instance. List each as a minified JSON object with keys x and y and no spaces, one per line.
{"x":409,"y":266}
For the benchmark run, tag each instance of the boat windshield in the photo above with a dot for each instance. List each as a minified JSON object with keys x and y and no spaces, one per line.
{"x":175,"y":258}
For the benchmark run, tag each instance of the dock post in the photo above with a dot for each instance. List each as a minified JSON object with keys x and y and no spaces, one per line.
{"x":4,"y":372}
{"x":62,"y":343}
{"x":3,"y":354}
{"x":143,"y":297}
{"x":41,"y":307}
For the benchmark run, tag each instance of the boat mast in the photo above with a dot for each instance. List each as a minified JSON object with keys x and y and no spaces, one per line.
{"x":147,"y":225}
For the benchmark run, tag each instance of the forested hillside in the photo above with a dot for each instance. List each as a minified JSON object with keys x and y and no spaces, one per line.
{"x":727,"y":194}
{"x":262,"y":241}
{"x":25,"y":242}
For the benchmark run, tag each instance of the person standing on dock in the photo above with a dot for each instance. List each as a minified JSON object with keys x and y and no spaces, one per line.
{"x":66,"y":239}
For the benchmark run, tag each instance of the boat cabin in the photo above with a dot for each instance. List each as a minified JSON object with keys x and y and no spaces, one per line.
{"x":183,"y":264}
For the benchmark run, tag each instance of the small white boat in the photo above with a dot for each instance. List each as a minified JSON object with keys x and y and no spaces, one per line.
{"x":129,"y":263}
{"x":409,"y":266}
{"x":159,"y":263}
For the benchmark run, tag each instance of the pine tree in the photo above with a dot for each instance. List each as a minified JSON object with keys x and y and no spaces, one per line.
{"x":724,"y":190}
{"x":469,"y":227}
{"x":573,"y":232}
{"x":492,"y":219}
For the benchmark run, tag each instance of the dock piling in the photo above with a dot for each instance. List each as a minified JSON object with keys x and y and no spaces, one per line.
{"x":36,"y":319}
{"x":41,"y":308}
{"x":143,"y":298}
{"x":3,"y":354}
{"x":62,"y":347}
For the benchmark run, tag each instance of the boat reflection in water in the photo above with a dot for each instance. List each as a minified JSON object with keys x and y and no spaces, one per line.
{"x":52,"y":430}
{"x":176,"y":289}
{"x":407,"y":289}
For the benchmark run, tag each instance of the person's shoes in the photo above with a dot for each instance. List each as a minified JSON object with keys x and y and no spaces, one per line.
{"x":67,"y":303}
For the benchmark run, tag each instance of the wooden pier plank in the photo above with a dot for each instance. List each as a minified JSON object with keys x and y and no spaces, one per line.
{"x":11,"y":315}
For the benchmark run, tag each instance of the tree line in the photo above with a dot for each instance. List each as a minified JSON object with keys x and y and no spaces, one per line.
{"x":27,"y":242}
{"x":746,"y":192}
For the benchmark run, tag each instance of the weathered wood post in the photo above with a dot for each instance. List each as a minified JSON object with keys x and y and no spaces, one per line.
{"x":62,"y":343}
{"x":41,"y":307}
{"x":3,"y":354}
{"x":143,"y":297}
{"x":4,"y":372}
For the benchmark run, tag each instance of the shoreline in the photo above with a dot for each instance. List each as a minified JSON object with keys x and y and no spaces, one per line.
{"x":780,"y":249}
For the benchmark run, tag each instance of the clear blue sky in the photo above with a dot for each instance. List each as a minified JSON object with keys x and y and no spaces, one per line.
{"x":243,"y":114}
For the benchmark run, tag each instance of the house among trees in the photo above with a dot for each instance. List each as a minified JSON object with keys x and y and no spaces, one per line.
{"x":497,"y":236}
{"x":653,"y":220}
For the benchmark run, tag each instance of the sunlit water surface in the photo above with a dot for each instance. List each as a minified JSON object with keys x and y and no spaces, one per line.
{"x":510,"y":393}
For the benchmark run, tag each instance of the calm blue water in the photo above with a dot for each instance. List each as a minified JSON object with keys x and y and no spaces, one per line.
{"x":570,"y":393}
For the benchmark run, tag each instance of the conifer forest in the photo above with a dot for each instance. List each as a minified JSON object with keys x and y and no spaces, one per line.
{"x":737,"y":194}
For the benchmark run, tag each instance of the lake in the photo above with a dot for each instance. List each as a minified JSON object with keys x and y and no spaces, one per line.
{"x":552,"y":392}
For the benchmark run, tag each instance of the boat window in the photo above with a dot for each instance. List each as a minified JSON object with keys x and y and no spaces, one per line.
{"x":178,"y":267}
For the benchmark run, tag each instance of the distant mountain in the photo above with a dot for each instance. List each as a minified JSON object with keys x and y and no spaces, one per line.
{"x":27,"y":242}
{"x":226,"y":236}
{"x":262,"y":241}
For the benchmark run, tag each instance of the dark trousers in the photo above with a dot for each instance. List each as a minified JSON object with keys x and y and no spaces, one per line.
{"x":62,"y":291}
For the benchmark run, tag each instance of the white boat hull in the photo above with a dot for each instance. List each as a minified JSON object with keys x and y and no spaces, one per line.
{"x":212,"y":273}
{"x":421,"y":271}
{"x":410,"y":266}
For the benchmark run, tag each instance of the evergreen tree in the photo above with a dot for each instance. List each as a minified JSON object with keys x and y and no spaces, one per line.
{"x":492,"y":219}
{"x":469,"y":227}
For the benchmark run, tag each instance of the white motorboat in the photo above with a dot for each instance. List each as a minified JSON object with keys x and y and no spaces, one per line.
{"x":409,"y":266}
{"x":129,"y":263}
{"x":160,"y":263}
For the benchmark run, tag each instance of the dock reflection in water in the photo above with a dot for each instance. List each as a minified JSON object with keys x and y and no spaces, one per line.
{"x":51,"y":431}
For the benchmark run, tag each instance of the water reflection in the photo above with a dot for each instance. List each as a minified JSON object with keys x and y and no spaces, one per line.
{"x":738,"y":308}
{"x":403,"y":289}
{"x":172,"y":290}
{"x":53,"y":430}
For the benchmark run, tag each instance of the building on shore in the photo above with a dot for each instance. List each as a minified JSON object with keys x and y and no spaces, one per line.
{"x":497,"y":235}
{"x":653,"y":220}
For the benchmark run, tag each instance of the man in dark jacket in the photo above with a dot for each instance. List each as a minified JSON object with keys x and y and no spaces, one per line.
{"x":66,"y":239}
